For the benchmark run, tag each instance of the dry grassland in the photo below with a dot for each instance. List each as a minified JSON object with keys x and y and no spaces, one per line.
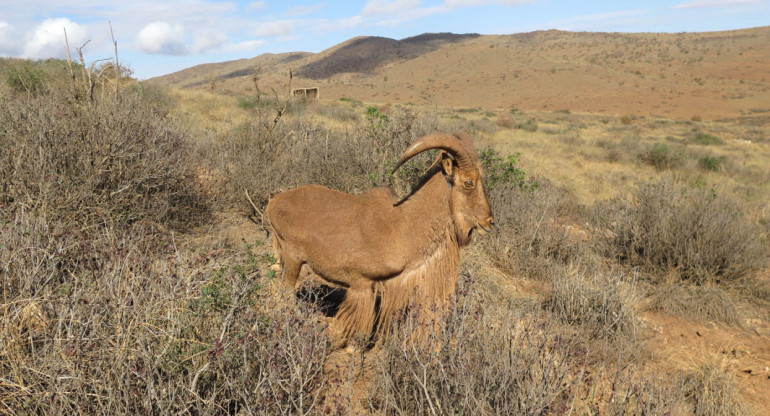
{"x":628,"y":273}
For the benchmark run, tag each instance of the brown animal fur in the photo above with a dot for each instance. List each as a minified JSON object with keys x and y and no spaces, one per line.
{"x":406,"y":252}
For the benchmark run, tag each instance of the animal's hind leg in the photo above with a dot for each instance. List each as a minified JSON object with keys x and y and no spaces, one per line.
{"x":277,"y":266}
{"x":290,"y":264}
{"x":291,"y":269}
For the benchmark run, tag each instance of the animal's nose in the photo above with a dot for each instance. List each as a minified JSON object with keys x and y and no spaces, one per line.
{"x":486,"y":225}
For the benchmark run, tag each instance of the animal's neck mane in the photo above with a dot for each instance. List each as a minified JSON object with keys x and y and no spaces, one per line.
{"x":431,"y":282}
{"x":432,"y":198}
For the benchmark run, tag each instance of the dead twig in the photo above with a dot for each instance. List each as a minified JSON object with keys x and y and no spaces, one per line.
{"x":262,"y":217}
{"x":117,"y":65}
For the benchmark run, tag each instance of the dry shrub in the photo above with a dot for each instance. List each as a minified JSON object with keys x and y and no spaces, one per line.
{"x":601,"y":305}
{"x":702,"y":303}
{"x":298,"y":152}
{"x":119,"y":160}
{"x":533,"y":231}
{"x":695,"y":233}
{"x":151,"y":330}
{"x":490,"y":358}
{"x":506,"y":122}
{"x":713,"y":392}
{"x":487,"y":359}
{"x":103,"y":310}
{"x":631,"y":390}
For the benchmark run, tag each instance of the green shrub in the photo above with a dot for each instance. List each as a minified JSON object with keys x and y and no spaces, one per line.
{"x":247,"y":103}
{"x":662,"y":157}
{"x":503,"y":172}
{"x":25,"y":77}
{"x":705,"y":138}
{"x":712,"y":163}
{"x":529,"y":125}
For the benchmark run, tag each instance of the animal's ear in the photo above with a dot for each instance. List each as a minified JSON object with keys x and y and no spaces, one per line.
{"x":447,"y":164}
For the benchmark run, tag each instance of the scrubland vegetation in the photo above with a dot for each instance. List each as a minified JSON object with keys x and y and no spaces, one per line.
{"x":120,"y":293}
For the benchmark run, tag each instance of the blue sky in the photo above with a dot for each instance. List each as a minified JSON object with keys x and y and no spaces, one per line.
{"x":159,"y":37}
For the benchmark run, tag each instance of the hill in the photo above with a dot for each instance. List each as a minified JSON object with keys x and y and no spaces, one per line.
{"x":710,"y":75}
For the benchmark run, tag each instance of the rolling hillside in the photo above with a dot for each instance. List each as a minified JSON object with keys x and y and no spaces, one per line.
{"x":713,"y":75}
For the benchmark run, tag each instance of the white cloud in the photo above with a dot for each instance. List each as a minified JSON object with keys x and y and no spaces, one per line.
{"x":700,"y":4}
{"x":305,"y":10}
{"x":456,"y":4}
{"x":207,"y":39}
{"x":339,"y":25}
{"x":161,"y":38}
{"x":47,"y":40}
{"x":275,"y":28}
{"x":600,"y":21}
{"x":400,"y":11}
{"x":9,"y":43}
{"x":375,"y":7}
{"x":238,"y":47}
{"x":256,"y":6}
{"x":412,"y":14}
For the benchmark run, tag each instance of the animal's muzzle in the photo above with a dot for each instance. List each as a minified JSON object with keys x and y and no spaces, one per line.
{"x":486,"y":226}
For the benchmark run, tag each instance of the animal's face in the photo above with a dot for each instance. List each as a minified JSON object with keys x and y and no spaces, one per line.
{"x":470,"y":206}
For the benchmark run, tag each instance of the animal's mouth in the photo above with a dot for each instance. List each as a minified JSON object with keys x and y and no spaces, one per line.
{"x":484,"y":229}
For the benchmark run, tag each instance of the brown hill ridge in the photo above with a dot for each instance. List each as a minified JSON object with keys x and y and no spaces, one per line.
{"x":366,"y":54}
{"x":711,"y":75}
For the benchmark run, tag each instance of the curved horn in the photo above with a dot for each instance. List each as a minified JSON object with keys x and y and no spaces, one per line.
{"x":452,"y":144}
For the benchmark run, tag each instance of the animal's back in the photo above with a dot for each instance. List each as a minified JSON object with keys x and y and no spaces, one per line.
{"x":338,"y":233}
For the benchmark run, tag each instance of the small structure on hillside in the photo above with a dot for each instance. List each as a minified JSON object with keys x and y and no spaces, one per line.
{"x":312,"y":92}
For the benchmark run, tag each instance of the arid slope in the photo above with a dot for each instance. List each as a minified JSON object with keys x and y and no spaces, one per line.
{"x":711,"y":75}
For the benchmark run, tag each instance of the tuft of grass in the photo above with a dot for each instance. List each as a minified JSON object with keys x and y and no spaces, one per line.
{"x":701,"y":303}
{"x":601,"y":305}
{"x":712,"y":391}
{"x":530,"y":125}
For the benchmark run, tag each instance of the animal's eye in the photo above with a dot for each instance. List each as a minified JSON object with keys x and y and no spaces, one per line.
{"x":469,"y":184}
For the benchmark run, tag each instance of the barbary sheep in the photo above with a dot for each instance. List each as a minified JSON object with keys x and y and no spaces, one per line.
{"x":404,"y":251}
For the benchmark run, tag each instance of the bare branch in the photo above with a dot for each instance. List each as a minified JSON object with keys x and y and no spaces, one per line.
{"x":117,"y":65}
